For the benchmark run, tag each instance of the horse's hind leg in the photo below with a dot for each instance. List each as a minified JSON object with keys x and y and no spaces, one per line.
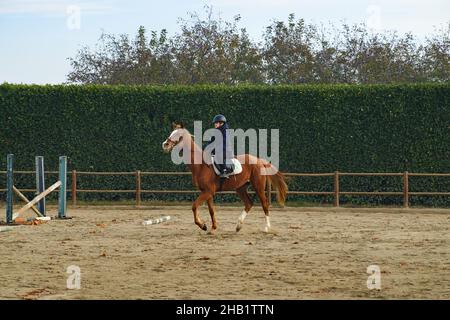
{"x":265,"y":206}
{"x":248,"y":203}
{"x":212,"y":214}
{"x":260,"y":187}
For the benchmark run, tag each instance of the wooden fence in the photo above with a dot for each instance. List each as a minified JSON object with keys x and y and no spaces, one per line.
{"x":336,"y":193}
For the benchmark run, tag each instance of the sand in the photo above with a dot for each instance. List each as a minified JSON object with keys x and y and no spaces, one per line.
{"x":311,"y":253}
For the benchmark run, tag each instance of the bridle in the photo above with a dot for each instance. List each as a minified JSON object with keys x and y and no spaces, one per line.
{"x":173,"y":143}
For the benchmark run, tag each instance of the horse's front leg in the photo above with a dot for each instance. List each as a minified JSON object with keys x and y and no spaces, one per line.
{"x":197,"y":203}
{"x":212,"y":214}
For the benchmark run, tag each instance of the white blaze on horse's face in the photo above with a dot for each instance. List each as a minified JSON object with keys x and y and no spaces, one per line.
{"x":174,"y":138}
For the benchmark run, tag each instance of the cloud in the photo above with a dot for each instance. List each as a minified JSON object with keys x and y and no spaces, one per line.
{"x":416,"y":16}
{"x":254,"y":3}
{"x":53,"y":7}
{"x":419,"y":17}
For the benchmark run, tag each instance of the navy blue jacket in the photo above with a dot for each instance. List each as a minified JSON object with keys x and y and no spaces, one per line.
{"x":226,"y":147}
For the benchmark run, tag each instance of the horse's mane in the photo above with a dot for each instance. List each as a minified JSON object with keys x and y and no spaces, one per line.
{"x":187,"y":134}
{"x":177,"y":125}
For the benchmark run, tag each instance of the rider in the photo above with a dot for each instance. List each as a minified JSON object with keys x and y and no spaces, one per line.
{"x":225,"y":168}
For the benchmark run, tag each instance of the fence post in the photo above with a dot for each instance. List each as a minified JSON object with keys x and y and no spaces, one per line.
{"x":405,"y":190}
{"x":9,"y":187}
{"x":336,"y":189}
{"x":74,"y":187}
{"x":40,"y":182}
{"x":138,"y":187}
{"x":269,"y":192}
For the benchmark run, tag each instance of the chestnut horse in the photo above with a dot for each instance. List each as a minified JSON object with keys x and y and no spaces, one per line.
{"x":205,"y":179}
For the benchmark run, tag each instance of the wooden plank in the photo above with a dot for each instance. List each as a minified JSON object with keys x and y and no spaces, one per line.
{"x":318,"y":193}
{"x":105,"y":191}
{"x":165,"y":173}
{"x":429,"y":193}
{"x":373,"y":193}
{"x":94,"y":173}
{"x":373,"y":174}
{"x":429,"y":174}
{"x":183,"y":191}
{"x":36,"y":199}
{"x":291,"y":174}
{"x":22,"y":196}
{"x":156,"y":221}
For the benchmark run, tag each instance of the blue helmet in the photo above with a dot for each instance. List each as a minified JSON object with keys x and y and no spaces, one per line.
{"x":219,"y":118}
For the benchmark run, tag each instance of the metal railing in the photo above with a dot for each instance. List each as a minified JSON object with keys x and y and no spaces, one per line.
{"x":336,"y":193}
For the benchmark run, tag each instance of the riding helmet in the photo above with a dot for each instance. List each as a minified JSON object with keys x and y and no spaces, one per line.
{"x":219,"y":118}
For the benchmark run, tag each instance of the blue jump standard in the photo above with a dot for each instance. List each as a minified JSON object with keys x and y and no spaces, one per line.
{"x":40,"y":182}
{"x":40,"y":187}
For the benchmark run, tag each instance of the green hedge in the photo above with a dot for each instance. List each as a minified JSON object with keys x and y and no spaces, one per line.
{"x":373,"y":128}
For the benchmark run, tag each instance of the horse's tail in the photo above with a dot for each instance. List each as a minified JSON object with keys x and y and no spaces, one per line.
{"x":280,"y":185}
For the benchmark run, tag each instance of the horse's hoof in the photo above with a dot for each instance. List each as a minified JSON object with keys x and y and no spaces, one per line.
{"x":212,"y":231}
{"x":238,"y":227}
{"x":204,"y":227}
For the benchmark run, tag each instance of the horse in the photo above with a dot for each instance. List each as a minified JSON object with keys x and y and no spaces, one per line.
{"x":255,"y":171}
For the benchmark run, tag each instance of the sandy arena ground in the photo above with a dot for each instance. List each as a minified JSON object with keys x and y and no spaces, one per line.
{"x":312,"y":253}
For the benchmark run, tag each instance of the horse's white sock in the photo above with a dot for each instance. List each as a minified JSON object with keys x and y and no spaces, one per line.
{"x":267,"y":228}
{"x":242,"y":216}
{"x":241,"y":220}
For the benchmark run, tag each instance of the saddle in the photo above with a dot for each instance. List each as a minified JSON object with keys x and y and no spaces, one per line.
{"x":235,"y":167}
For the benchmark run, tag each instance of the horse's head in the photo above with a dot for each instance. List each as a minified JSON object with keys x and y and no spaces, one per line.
{"x":175,"y":137}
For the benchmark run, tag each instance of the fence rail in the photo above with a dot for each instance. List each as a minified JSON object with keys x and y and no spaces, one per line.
{"x":336,"y":193}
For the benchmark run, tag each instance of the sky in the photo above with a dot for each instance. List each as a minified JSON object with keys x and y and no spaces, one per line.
{"x":38,"y":36}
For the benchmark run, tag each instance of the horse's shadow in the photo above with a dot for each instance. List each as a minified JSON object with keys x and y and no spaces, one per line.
{"x":232,"y":234}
